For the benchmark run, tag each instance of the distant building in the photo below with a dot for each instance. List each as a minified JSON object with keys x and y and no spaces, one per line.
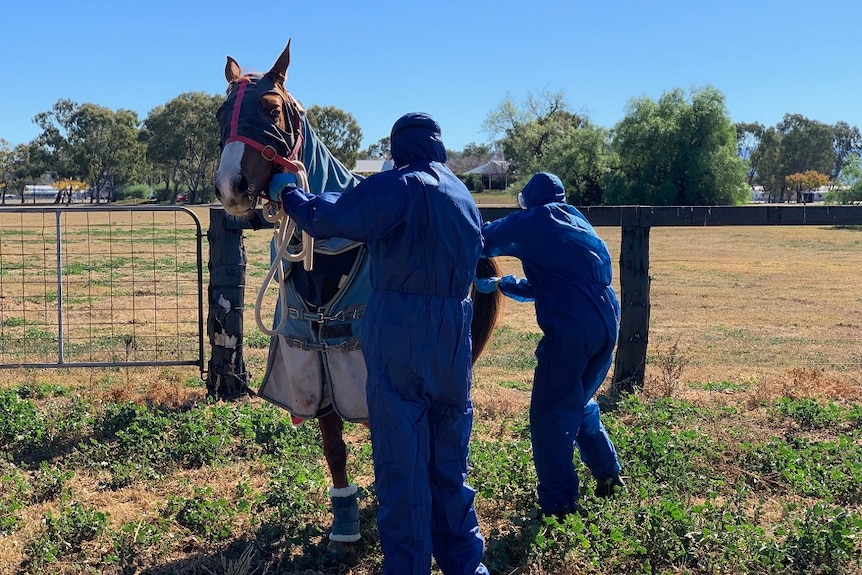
{"x":39,"y":193}
{"x":373,"y":166}
{"x":758,"y":195}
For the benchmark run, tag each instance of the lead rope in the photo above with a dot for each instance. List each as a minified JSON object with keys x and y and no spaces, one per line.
{"x":284,"y":229}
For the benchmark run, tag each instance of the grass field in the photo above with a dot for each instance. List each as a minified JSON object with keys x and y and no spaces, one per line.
{"x":742,"y":453}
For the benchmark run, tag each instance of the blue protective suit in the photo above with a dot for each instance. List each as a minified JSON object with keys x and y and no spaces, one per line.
{"x":421,"y":227}
{"x":568,"y":274}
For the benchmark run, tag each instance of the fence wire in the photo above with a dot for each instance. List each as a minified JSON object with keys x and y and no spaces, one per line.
{"x":100,"y":286}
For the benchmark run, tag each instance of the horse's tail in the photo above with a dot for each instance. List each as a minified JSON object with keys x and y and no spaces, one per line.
{"x":486,"y":307}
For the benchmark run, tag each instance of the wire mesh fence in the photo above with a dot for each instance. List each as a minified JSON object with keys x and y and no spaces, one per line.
{"x":97,"y":286}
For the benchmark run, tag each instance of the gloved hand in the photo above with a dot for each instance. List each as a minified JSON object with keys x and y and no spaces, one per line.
{"x":486,"y":285}
{"x":279,"y":182}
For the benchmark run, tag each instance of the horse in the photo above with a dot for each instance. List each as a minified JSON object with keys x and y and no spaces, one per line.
{"x":315,"y":368}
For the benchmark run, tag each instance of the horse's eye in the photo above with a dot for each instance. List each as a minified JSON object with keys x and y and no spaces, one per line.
{"x":275,"y":113}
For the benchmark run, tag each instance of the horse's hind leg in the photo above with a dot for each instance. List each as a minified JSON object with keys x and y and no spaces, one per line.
{"x":345,"y":508}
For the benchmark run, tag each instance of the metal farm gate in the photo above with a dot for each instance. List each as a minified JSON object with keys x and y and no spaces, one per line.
{"x":100,"y":286}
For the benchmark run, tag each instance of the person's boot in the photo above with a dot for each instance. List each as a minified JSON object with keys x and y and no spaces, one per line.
{"x":610,"y":486}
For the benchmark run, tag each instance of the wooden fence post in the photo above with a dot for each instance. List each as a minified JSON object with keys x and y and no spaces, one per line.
{"x":227,"y":377}
{"x":635,"y":302}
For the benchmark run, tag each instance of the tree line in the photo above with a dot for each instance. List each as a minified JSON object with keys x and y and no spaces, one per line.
{"x":679,"y":149}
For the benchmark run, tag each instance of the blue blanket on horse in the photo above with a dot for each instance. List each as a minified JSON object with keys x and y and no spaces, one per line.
{"x":315,"y":364}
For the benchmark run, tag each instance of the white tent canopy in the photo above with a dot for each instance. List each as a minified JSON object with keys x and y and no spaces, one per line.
{"x":491,"y":168}
{"x":494,"y":170}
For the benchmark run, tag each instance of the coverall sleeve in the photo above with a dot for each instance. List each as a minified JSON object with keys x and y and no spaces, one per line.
{"x":501,"y":239}
{"x":365,"y":213}
{"x":500,"y":236}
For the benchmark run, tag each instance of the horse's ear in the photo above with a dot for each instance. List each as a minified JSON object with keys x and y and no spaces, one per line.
{"x":279,"y":69}
{"x":232,"y":71}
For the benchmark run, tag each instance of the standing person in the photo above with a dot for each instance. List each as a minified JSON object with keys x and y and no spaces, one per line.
{"x":568,"y":275}
{"x":422,"y":229}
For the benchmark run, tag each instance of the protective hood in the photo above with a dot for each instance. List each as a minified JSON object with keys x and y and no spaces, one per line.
{"x":543,"y":188}
{"x":416,"y":137}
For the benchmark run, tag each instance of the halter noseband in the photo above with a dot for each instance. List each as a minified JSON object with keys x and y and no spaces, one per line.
{"x":289,"y":160}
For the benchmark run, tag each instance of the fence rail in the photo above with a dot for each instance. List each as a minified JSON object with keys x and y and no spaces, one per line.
{"x":98,"y":286}
{"x":634,"y":263}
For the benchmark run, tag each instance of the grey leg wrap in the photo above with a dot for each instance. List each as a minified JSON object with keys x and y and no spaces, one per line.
{"x":345,"y":514}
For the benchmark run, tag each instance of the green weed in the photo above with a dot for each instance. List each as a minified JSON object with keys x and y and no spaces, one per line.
{"x":64,"y":535}
{"x":202,"y":514}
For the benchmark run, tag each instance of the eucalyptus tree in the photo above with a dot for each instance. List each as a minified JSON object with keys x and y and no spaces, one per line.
{"x":677,"y":151}
{"x":24,"y":164}
{"x":55,"y":141}
{"x":92,"y":143}
{"x":5,"y":168}
{"x":182,"y":142}
{"x":748,"y":136}
{"x":380,"y":150}
{"x":849,"y":188}
{"x":796,"y":144}
{"x":847,"y":142}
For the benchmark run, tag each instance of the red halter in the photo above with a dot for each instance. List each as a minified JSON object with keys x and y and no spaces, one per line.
{"x":288,"y":162}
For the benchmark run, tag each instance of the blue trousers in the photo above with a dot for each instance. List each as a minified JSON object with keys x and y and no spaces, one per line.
{"x":421,"y":417}
{"x":572,"y":364}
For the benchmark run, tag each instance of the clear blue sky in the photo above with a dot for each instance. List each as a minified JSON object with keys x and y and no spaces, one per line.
{"x":457,"y":60}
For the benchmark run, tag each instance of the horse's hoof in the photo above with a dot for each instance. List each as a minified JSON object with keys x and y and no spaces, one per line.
{"x":344,"y":552}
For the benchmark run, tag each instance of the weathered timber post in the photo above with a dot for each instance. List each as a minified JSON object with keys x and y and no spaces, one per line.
{"x":227,"y":377}
{"x":634,"y":299}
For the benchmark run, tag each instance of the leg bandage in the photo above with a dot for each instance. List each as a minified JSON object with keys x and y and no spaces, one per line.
{"x":345,"y":514}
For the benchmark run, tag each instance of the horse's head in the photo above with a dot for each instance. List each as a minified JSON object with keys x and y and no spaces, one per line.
{"x":260,"y":133}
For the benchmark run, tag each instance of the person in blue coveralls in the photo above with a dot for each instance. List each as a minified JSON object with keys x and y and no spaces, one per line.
{"x":422,"y":230}
{"x":568,"y":275}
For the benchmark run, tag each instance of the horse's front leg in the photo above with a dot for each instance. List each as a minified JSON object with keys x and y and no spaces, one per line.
{"x":345,"y":507}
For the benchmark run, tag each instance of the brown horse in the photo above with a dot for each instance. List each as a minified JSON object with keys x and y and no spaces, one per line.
{"x":264,"y":130}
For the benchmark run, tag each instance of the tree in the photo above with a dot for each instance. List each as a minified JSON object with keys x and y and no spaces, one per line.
{"x":747,"y":139}
{"x":581,"y":157}
{"x":54,"y":138}
{"x":802,"y":182}
{"x":381,"y":150}
{"x":543,"y":135}
{"x":182,"y":142}
{"x":338,"y":130}
{"x":676,"y":151}
{"x":92,"y":143}
{"x":849,"y":188}
{"x":524,"y":132}
{"x":847,"y":141}
{"x":794,"y":145}
{"x":471,"y":156}
{"x":25,"y":164}
{"x":5,"y":169}
{"x":65,"y":188}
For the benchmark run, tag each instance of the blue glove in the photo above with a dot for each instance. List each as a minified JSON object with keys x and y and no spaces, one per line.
{"x":486,"y":285}
{"x":280,"y":182}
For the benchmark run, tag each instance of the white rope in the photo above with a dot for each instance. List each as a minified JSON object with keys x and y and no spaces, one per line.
{"x":283,"y":231}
